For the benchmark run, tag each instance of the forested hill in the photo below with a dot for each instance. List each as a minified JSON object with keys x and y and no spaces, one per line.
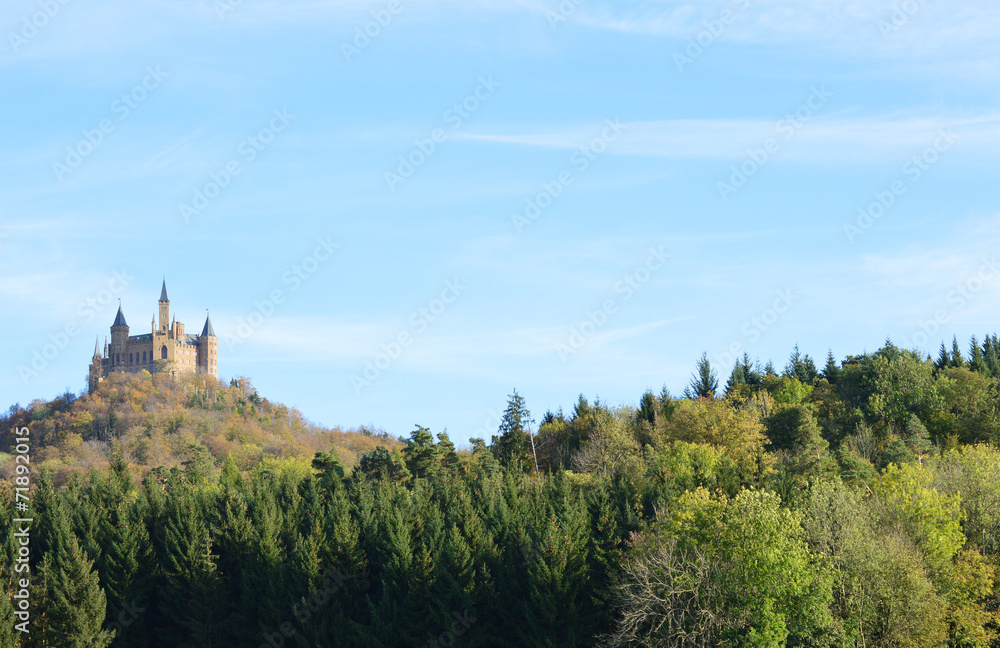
{"x":158,"y":421}
{"x":857,"y":505}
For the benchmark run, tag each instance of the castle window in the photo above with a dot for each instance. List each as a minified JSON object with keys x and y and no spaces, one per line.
{"x":163,"y":352}
{"x":118,"y":358}
{"x":143,"y":357}
{"x":130,"y":358}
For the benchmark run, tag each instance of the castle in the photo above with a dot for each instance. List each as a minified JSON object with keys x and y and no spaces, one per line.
{"x":166,"y":348}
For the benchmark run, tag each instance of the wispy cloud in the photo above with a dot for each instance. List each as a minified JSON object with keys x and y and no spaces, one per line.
{"x":834,"y":139}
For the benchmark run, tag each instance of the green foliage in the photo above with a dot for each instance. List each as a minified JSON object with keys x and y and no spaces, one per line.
{"x":704,"y":382}
{"x":723,"y":572}
{"x":511,"y":445}
{"x":842,"y":509}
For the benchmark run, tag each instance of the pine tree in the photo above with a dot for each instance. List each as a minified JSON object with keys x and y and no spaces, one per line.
{"x":976,"y":361}
{"x":511,"y":445}
{"x":736,"y":378}
{"x":944,"y":360}
{"x":956,"y":353}
{"x":667,"y":403}
{"x":192,"y":595}
{"x":832,"y":370}
{"x":73,"y":604}
{"x":752,"y":371}
{"x":647,"y":407}
{"x":422,"y":457}
{"x":991,"y":356}
{"x":127,"y":570}
{"x":704,"y":382}
{"x":446,"y":451}
{"x":801,"y":367}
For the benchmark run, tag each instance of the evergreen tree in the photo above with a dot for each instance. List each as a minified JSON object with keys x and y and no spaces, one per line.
{"x":511,"y":445}
{"x":737,"y":378}
{"x":944,"y":360}
{"x":647,"y":407}
{"x":918,"y":439}
{"x":192,"y":596}
{"x":801,"y":367}
{"x":446,"y":452}
{"x":752,"y":371}
{"x":380,"y":464}
{"x":422,"y":455}
{"x":73,"y":604}
{"x":977,"y":362}
{"x":956,"y":353}
{"x":832,"y":370}
{"x":667,"y":404}
{"x":127,"y":569}
{"x":991,"y":356}
{"x":704,"y":382}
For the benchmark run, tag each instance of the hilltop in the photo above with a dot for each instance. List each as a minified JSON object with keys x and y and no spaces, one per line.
{"x":158,"y":420}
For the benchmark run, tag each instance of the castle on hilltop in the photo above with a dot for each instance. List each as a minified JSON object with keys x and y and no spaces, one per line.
{"x":166,"y":348}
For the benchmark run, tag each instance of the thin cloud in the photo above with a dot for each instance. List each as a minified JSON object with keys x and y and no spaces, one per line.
{"x":843,"y":139}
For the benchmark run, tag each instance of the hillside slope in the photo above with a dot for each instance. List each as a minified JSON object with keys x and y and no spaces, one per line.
{"x":157,"y":420}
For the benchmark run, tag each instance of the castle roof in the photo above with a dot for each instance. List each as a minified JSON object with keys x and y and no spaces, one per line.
{"x":120,"y":318}
{"x":163,"y":291}
{"x":208,"y":331}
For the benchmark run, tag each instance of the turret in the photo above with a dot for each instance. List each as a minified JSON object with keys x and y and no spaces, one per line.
{"x":95,"y":373}
{"x":164,"y":306}
{"x":119,"y":339}
{"x":208,"y":349}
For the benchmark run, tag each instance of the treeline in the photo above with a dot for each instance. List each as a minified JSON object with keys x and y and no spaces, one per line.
{"x":857,"y":505}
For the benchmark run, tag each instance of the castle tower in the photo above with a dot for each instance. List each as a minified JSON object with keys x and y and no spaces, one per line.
{"x":208,"y":349}
{"x":164,"y":307}
{"x":119,"y":340}
{"x":95,"y":368}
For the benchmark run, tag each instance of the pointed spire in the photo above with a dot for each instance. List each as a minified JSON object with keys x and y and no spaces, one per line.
{"x":163,"y":291}
{"x":97,"y":342}
{"x":208,"y":331}
{"x":120,"y":318}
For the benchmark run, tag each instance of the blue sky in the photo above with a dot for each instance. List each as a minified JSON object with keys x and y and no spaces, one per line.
{"x":397,"y":212}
